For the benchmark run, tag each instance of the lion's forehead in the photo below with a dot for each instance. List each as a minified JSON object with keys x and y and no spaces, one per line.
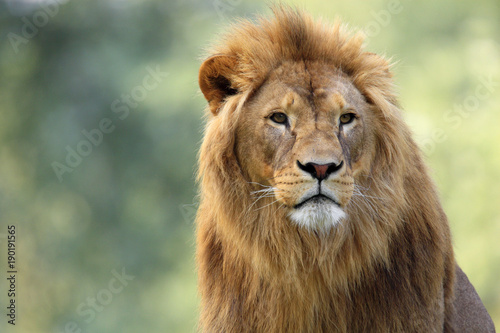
{"x":305,"y":86}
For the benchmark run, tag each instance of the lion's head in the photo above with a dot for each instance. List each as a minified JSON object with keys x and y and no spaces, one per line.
{"x":306,"y":118}
{"x":303,"y":137}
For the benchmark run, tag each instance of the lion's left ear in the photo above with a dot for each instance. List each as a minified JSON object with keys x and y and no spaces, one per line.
{"x":215,"y":80}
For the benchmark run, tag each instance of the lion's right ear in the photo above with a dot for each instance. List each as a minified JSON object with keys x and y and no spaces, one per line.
{"x":214,"y":80}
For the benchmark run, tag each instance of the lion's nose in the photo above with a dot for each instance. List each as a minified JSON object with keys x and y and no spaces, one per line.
{"x":320,"y":171}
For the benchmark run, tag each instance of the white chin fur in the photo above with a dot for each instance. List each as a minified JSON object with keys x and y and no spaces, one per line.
{"x":317,"y":216}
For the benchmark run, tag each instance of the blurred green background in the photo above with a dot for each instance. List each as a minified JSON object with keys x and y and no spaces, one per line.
{"x":123,"y":75}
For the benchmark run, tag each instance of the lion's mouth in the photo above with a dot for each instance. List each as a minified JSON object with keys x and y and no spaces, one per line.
{"x":316,"y":199}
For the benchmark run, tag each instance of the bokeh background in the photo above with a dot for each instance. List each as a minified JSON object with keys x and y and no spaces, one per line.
{"x":125,"y":204}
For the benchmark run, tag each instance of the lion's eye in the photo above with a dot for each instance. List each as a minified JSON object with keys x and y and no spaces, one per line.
{"x":279,"y":118}
{"x":347,"y":118}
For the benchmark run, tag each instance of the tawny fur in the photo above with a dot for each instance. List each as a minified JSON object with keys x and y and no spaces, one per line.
{"x":388,"y":268}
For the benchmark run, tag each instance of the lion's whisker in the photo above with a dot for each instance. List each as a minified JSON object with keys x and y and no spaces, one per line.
{"x":265,"y":193}
{"x":366,"y":196}
{"x":265,"y":190}
{"x":256,"y":183}
{"x":268,"y":204}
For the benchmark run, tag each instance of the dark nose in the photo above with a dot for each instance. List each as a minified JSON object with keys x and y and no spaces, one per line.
{"x":320,"y":171}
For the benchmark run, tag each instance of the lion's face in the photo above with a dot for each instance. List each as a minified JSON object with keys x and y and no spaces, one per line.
{"x":302,"y":138}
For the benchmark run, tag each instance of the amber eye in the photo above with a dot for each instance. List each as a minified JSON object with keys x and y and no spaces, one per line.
{"x":279,"y":118}
{"x":347,"y":118}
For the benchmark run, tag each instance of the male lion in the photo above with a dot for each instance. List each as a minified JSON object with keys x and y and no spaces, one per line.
{"x":317,"y":213}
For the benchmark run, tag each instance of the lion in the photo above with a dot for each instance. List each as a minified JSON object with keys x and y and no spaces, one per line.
{"x":317,"y":213}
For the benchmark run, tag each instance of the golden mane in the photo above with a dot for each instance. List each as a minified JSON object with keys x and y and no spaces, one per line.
{"x":295,"y":36}
{"x":255,"y":264}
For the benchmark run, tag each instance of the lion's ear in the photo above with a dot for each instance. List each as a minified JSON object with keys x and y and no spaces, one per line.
{"x":215,"y":80}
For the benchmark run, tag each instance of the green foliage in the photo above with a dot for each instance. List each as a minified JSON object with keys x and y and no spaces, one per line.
{"x":121,"y":75}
